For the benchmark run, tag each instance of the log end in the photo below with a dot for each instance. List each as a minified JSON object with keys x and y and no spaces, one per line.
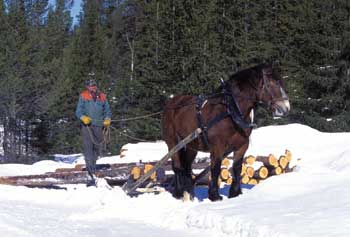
{"x":250,"y":160}
{"x":136,"y":173}
{"x":283,"y":161}
{"x":245,"y":179}
{"x":263,"y":172}
{"x":250,"y":171}
{"x":253,"y":181}
{"x":288,"y":155}
{"x":225,"y":163}
{"x":224,"y":174}
{"x":273,"y":160}
{"x":147,"y":168}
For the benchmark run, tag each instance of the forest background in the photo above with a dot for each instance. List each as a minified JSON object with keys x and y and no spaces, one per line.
{"x":144,"y":51}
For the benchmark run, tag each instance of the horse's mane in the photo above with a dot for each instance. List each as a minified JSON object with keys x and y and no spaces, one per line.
{"x":247,"y":73}
{"x":243,"y":75}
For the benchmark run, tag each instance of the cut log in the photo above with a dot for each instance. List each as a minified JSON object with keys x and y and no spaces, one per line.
{"x":250,"y":171}
{"x":268,"y":161}
{"x":224,"y":174}
{"x":283,"y":161}
{"x":147,"y":168}
{"x":245,"y":179}
{"x":60,"y":178}
{"x":249,"y":159}
{"x":135,"y":172}
{"x":253,"y":181}
{"x":58,"y":170}
{"x":261,"y":173}
{"x":229,"y":181}
{"x":288,"y":155}
{"x":80,"y":167}
{"x":225,"y":163}
{"x":275,"y":171}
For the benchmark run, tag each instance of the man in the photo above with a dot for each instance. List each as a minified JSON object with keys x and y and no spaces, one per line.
{"x":94,"y":112}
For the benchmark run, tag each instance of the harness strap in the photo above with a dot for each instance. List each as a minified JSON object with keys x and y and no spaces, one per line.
{"x":233,"y":109}
{"x":200,"y":103}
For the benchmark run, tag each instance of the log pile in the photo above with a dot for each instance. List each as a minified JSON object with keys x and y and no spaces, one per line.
{"x":256,"y":169}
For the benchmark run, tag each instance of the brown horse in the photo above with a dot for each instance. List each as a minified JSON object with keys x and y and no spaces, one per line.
{"x":226,"y":123}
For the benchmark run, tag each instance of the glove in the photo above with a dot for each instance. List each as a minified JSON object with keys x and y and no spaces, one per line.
{"x":107,"y":122}
{"x":85,"y":119}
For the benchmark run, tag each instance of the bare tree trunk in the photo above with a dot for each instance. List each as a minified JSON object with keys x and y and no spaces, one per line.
{"x":132,"y":50}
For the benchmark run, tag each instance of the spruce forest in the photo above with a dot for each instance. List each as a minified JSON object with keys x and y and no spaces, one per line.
{"x":144,"y":51}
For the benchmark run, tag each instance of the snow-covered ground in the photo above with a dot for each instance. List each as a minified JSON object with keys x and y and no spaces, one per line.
{"x":313,"y":201}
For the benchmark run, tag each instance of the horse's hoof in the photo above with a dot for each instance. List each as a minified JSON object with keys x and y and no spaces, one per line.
{"x":177,"y":195}
{"x":187,"y":197}
{"x":215,"y":198}
{"x":235,"y":194}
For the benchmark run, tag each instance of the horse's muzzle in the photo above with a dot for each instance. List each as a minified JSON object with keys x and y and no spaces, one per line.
{"x":281,"y":108}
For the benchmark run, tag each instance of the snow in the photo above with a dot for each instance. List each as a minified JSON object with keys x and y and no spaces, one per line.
{"x":313,"y":201}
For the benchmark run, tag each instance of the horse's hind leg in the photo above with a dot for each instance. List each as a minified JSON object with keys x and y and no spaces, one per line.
{"x":235,"y":188}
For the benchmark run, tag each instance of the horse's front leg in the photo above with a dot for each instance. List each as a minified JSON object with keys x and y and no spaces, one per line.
{"x":213,"y":192}
{"x":235,"y":188}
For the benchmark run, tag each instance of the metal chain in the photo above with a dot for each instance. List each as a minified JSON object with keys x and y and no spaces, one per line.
{"x":136,"y":118}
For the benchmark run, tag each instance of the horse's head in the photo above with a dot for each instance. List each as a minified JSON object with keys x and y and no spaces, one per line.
{"x":270,"y":91}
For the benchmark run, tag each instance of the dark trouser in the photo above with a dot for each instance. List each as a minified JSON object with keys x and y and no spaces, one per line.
{"x":92,"y":138}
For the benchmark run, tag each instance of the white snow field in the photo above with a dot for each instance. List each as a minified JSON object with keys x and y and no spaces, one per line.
{"x":313,"y":201}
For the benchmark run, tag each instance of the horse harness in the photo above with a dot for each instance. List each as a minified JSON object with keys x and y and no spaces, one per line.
{"x":232,"y":111}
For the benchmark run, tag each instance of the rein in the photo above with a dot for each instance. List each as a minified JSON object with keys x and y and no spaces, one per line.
{"x":106,"y":137}
{"x":265,"y":89}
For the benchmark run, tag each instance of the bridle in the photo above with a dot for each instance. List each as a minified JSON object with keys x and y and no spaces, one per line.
{"x":267,"y":90}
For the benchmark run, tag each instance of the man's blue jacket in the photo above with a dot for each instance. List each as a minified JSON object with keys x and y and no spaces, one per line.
{"x":98,"y":110}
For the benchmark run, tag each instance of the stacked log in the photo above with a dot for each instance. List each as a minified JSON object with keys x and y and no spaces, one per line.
{"x":266,"y":166}
{"x":225,"y":174}
{"x":256,"y":169}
